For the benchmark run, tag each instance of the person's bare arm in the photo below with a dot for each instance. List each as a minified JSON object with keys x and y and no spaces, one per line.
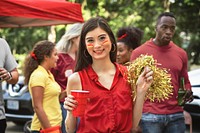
{"x":10,"y":77}
{"x":63,"y":94}
{"x":143,"y":83}
{"x":73,"y":83}
{"x":37,"y":97}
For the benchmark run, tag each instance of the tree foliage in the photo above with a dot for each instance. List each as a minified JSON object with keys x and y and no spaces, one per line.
{"x":120,"y":13}
{"x":143,"y":14}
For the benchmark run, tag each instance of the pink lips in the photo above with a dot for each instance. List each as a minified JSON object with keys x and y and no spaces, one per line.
{"x":98,"y":51}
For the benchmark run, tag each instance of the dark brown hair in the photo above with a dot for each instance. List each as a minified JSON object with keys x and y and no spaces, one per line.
{"x":36,"y":57}
{"x":133,"y":36}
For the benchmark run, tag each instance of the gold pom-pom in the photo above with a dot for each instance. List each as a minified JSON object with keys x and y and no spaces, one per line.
{"x":161,"y":87}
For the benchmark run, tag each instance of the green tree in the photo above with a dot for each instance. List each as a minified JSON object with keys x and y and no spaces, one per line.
{"x":21,"y":40}
{"x":188,"y":20}
{"x":143,"y":14}
{"x":119,"y":13}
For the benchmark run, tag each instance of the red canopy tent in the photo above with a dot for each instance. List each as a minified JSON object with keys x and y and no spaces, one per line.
{"x":26,"y":13}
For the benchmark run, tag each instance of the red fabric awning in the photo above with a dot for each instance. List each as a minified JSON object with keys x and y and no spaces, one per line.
{"x":27,"y":13}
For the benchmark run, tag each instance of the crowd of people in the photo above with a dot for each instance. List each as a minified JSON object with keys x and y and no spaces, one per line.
{"x":88,"y":57}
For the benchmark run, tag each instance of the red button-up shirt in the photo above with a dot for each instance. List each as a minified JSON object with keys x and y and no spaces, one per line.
{"x":107,"y":111}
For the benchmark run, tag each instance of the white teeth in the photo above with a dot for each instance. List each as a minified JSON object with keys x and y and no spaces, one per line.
{"x":98,"y":51}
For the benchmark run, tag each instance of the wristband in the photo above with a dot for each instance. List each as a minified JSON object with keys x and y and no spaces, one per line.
{"x":10,"y":76}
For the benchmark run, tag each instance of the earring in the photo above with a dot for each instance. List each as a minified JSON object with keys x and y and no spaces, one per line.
{"x":114,"y":48}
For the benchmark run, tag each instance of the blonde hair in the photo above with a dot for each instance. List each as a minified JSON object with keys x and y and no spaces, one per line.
{"x":65,"y":42}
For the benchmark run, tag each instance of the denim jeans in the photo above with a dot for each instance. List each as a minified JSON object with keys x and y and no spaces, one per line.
{"x":171,"y":123}
{"x":64,"y":114}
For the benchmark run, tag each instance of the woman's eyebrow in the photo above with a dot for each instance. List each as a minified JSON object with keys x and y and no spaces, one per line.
{"x":102,"y":35}
{"x":88,"y":38}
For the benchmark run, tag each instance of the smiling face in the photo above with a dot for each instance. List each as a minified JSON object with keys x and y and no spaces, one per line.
{"x":98,"y":44}
{"x":123,"y":53}
{"x":165,"y":30}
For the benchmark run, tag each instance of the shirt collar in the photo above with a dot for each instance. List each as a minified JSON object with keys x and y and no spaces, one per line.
{"x":120,"y":70}
{"x":47,"y":72}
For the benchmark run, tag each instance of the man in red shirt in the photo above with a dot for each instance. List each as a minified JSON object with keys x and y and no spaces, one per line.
{"x":165,"y":116}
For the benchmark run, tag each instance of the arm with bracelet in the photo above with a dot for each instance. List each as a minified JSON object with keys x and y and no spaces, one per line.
{"x":8,"y":64}
{"x":9,"y":76}
{"x":13,"y":76}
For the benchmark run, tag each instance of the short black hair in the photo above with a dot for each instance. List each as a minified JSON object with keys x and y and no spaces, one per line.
{"x":169,"y":14}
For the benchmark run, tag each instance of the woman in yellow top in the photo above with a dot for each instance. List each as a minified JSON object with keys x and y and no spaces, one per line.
{"x":43,"y":88}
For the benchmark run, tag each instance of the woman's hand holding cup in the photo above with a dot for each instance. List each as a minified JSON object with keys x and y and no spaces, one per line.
{"x":70,"y":103}
{"x":76,"y":102}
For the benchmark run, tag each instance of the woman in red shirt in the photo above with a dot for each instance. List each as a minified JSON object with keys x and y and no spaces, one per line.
{"x":128,"y":38}
{"x":110,"y":107}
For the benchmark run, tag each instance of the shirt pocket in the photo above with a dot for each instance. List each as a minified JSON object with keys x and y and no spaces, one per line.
{"x":95,"y":106}
{"x":125,"y":102}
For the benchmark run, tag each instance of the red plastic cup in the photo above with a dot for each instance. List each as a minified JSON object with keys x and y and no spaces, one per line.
{"x":81,"y":96}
